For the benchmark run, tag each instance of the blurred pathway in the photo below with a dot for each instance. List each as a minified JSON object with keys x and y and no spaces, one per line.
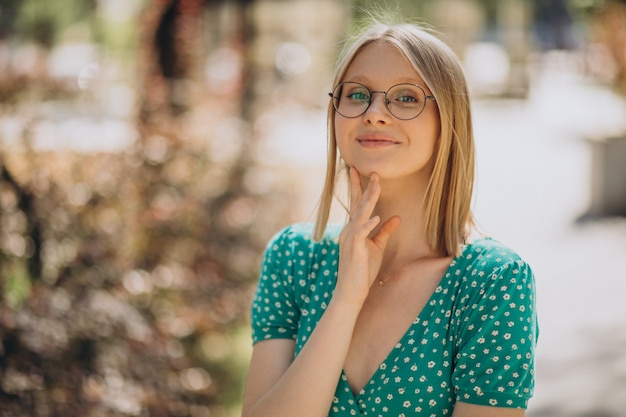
{"x":533,"y":184}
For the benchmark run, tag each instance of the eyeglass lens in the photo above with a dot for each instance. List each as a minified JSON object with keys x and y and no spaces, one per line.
{"x":404,"y":101}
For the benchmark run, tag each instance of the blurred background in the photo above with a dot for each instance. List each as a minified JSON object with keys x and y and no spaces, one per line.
{"x":150,"y":148}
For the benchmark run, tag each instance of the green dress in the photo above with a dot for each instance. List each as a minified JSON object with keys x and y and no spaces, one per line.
{"x":474,"y":341}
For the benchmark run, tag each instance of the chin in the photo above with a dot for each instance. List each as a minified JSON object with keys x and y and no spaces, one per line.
{"x":364,"y":171}
{"x":384,"y":170}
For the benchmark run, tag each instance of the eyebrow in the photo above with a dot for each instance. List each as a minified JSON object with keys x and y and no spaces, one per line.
{"x":365,"y":81}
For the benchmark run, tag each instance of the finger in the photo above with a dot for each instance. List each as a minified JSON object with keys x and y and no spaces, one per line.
{"x":362,"y":232}
{"x":386,"y":230}
{"x":358,"y":233}
{"x":367,"y":203}
{"x":356,"y":191}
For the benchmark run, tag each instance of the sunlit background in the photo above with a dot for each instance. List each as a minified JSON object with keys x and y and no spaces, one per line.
{"x":150,"y":148}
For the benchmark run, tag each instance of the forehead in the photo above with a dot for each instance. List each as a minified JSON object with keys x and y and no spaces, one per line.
{"x":380,"y":63}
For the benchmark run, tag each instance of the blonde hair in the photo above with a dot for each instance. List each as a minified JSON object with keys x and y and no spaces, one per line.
{"x":448,"y":197}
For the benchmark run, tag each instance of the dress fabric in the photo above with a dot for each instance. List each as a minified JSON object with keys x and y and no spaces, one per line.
{"x":474,"y":340}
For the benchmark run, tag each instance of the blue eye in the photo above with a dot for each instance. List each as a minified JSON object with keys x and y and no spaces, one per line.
{"x":406,"y":95}
{"x":359,"y":96}
{"x":406,"y":99}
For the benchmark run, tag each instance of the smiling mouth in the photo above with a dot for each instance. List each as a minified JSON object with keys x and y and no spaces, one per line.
{"x":376,"y":143}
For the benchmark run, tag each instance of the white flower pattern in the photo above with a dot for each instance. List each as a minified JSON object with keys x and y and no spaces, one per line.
{"x":474,"y":340}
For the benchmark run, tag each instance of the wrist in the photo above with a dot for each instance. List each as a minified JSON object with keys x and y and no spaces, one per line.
{"x":348,"y":302}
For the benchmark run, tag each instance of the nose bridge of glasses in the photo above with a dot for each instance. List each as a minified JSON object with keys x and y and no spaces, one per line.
{"x":385,"y":98}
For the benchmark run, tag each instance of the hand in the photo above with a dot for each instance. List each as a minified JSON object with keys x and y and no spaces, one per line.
{"x":360,"y":255}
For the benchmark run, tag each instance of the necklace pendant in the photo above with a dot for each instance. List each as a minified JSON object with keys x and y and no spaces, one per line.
{"x":381,"y":283}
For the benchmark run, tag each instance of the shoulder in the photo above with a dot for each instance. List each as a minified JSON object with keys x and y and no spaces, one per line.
{"x":298,"y":238}
{"x":487,"y":261}
{"x":488,"y":254}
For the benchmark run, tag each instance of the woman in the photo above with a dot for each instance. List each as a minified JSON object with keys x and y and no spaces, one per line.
{"x":398,"y":313}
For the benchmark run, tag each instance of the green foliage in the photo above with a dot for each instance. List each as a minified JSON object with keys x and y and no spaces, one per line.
{"x":145,"y":284}
{"x":129,"y":294}
{"x":16,"y":284}
{"x":41,"y":21}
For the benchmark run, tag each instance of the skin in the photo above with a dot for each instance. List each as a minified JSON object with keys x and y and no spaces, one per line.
{"x":398,"y":150}
{"x":391,"y":161}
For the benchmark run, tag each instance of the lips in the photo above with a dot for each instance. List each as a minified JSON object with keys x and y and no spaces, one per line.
{"x":376,"y":140}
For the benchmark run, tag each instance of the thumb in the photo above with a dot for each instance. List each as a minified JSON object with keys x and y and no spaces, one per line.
{"x":386,"y":230}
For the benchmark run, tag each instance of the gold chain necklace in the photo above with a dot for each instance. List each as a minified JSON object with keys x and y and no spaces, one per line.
{"x":382,"y":282}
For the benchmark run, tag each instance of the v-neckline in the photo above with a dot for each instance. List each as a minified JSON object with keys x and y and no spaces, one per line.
{"x":401,"y":341}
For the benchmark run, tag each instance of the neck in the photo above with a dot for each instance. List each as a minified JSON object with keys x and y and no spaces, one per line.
{"x":408,"y":243}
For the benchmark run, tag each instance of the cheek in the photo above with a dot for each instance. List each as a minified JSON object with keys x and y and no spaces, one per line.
{"x":341,"y":135}
{"x":432,"y":131}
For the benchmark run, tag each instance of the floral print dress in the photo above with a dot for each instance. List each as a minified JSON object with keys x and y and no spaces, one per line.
{"x":474,"y":340}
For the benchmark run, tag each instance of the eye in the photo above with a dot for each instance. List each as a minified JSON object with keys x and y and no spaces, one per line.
{"x":406,"y":96}
{"x":358,"y":94}
{"x":407,"y":99}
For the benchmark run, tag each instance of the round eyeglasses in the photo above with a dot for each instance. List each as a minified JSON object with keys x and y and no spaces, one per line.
{"x":404,"y":101}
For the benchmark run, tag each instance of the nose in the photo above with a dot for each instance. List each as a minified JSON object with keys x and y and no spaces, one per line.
{"x":377,"y":112}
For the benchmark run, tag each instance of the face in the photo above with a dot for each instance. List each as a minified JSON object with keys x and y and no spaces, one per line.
{"x":377,"y":141}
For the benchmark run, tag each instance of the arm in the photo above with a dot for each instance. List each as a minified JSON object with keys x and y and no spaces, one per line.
{"x":462,"y":409}
{"x":279,"y":385}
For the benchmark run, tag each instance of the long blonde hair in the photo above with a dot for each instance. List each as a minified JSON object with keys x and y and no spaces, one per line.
{"x":448,"y":197}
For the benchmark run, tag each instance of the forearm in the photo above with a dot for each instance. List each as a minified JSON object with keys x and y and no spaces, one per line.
{"x":305,"y":387}
{"x":308,"y":385}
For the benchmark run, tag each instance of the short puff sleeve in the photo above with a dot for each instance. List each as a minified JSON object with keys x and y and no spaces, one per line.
{"x":495,"y":354}
{"x":274,"y":313}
